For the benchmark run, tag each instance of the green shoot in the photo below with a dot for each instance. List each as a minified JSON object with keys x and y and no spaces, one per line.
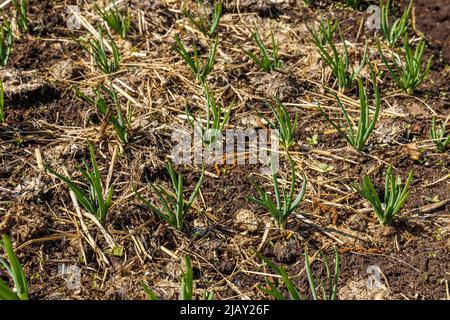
{"x":264,"y":61}
{"x":174,"y":206}
{"x":120,"y":123}
{"x":338,"y":62}
{"x":438,"y":135}
{"x":284,"y":206}
{"x":314,"y":140}
{"x":6,"y":39}
{"x":2,"y":103}
{"x":22,"y":15}
{"x":205,"y":26}
{"x":200,"y":71}
{"x":187,"y":285}
{"x":399,"y":28}
{"x":272,"y":290}
{"x":114,"y":18}
{"x":92,"y":198}
{"x":359,"y":138}
{"x":409,"y":72}
{"x":149,"y":292}
{"x":15,"y":271}
{"x":394,"y":196}
{"x":101,"y":58}
{"x":187,"y":281}
{"x":208,"y":295}
{"x":326,"y":31}
{"x":286,"y":126}
{"x":333,"y":280}
{"x":215,"y":122}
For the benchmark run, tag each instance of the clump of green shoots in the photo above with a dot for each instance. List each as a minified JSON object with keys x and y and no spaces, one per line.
{"x":215,"y":121}
{"x":337,"y":61}
{"x":329,"y":289}
{"x":120,"y":123}
{"x":91,"y":198}
{"x":102,"y":59}
{"x":6,"y":40}
{"x":281,"y":209}
{"x":286,"y":125}
{"x":265,"y":61}
{"x":187,"y":285}
{"x":116,"y":117}
{"x":394,"y":195}
{"x":409,"y":72}
{"x":394,"y":32}
{"x":115,"y":19}
{"x":174,"y":206}
{"x":438,"y":135}
{"x":2,"y":103}
{"x":366,"y":125}
{"x":22,"y":15}
{"x":326,"y":31}
{"x":15,"y":271}
{"x":203,"y":24}
{"x":199,"y":70}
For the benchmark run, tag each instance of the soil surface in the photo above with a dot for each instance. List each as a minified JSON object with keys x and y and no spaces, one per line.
{"x":45,"y":119}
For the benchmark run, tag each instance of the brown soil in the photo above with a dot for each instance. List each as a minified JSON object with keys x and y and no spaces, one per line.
{"x":37,"y":212}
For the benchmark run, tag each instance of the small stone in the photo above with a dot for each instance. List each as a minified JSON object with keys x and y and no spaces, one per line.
{"x":63,"y":70}
{"x":357,"y":222}
{"x":246,"y":220}
{"x":285,"y":252}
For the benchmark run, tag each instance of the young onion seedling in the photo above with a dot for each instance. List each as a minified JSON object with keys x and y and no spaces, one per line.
{"x":215,"y":122}
{"x":187,"y":285}
{"x":266,"y":62}
{"x":120,"y":123}
{"x":394,"y":195}
{"x":394,"y":32}
{"x":359,"y":138}
{"x":338,"y":62}
{"x":203,"y":24}
{"x":6,"y":39}
{"x":200,"y":71}
{"x":22,"y":15}
{"x":409,"y":72}
{"x":438,"y":135}
{"x":91,"y":198}
{"x":326,"y":32}
{"x":281,"y":209}
{"x":174,"y":206}
{"x":329,"y":289}
{"x":116,"y":20}
{"x":286,"y":125}
{"x":99,"y":53}
{"x":15,"y":271}
{"x":333,"y":279}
